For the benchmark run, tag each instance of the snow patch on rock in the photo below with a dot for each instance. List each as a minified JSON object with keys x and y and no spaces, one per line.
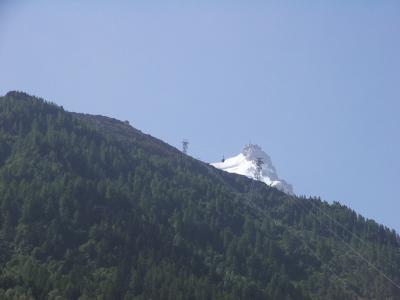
{"x":245,"y":164}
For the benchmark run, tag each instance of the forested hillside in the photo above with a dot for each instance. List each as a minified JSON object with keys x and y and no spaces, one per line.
{"x":91,"y":208}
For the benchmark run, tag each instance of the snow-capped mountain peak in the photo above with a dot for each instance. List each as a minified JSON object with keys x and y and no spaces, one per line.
{"x":245,"y":164}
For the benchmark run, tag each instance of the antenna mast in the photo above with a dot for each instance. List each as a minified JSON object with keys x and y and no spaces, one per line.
{"x":185,"y":145}
{"x":258,"y":171}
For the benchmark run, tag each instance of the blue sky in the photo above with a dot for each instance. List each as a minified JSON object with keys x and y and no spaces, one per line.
{"x":317,"y":85}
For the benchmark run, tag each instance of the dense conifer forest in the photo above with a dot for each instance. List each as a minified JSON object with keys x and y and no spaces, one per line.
{"x":91,"y":208}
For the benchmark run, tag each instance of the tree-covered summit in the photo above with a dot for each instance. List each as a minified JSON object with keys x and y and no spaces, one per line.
{"x":91,"y":208}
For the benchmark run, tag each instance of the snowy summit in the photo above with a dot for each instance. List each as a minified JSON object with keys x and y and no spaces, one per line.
{"x":246,"y":164}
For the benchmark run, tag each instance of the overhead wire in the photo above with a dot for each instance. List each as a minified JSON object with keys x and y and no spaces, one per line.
{"x":365,"y":259}
{"x":328,"y":267}
{"x":340,"y":225}
{"x":373,"y":266}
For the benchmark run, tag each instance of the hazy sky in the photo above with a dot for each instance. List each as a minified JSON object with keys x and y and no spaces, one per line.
{"x":317,"y":85}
